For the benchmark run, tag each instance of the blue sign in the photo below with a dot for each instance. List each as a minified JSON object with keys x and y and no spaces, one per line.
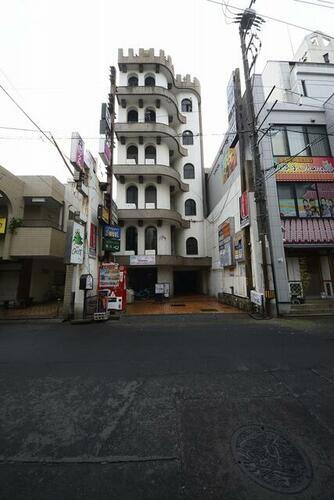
{"x":112,"y":232}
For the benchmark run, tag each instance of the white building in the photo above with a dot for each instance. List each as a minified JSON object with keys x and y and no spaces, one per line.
{"x":159,"y":169}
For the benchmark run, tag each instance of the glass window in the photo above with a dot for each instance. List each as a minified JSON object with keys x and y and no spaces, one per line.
{"x":132,"y":195}
{"x":150,"y":115}
{"x":133,"y":81}
{"x":133,"y":115}
{"x":191,"y":246}
{"x":326,"y":197}
{"x":188,"y":171}
{"x":318,"y":134}
{"x":307,"y":200}
{"x":151,"y":238}
{"x":190,"y":207}
{"x":131,"y":239}
{"x":187,"y":138}
{"x":150,"y":153}
{"x":186,"y":106}
{"x":151,"y":194}
{"x":279,"y":142}
{"x":297,"y":141}
{"x":286,"y":198}
{"x":149,"y":81}
{"x":132,"y":153}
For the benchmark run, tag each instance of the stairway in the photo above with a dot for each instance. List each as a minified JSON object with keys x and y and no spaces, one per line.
{"x":313,"y":307}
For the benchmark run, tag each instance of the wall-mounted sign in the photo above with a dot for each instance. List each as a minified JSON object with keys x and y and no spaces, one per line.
{"x":75,"y":243}
{"x":142,"y":260}
{"x":244,"y":209}
{"x":92,"y":240}
{"x":239,"y":246}
{"x":103,"y":214}
{"x":305,"y":168}
{"x":77,"y":155}
{"x":225,"y":243}
{"x":228,"y":163}
{"x":90,"y":162}
{"x":109,"y":275}
{"x":105,"y":151}
{"x":112,"y":232}
{"x":256,"y":298}
{"x":111,"y":245}
{"x":105,"y":118}
{"x":86,"y":282}
{"x":3,"y":222}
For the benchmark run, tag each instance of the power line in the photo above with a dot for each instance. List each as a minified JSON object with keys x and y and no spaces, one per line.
{"x":312,"y":3}
{"x":272,"y":18}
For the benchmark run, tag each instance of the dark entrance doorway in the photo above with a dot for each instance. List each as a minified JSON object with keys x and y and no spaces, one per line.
{"x":142,"y":278}
{"x":311,"y":275}
{"x":187,"y":282}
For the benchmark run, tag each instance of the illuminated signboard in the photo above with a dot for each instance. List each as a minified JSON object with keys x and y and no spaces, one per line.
{"x":305,"y":168}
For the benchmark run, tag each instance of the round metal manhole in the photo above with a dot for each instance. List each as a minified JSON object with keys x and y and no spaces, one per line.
{"x":271,"y":460}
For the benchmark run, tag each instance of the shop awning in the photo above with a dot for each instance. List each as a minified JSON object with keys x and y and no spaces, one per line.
{"x":308,"y":230}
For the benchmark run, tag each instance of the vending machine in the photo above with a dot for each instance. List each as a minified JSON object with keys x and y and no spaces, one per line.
{"x":112,"y":285}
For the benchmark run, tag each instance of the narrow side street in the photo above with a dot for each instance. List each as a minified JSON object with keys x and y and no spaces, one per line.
{"x":154,"y":409}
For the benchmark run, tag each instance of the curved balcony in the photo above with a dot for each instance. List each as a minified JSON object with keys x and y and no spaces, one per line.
{"x":132,"y":172}
{"x":151,"y":129}
{"x":146,"y":214}
{"x":132,"y":94}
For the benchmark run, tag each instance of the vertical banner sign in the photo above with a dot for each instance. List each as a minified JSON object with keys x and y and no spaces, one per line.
{"x":77,"y":244}
{"x":225,"y":243}
{"x":92,"y":240}
{"x":77,"y":156}
{"x":244,"y":210}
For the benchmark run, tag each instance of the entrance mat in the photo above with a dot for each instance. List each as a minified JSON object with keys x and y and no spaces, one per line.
{"x":209,"y":310}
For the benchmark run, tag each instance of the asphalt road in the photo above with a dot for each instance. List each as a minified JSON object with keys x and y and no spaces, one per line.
{"x":176,"y":407}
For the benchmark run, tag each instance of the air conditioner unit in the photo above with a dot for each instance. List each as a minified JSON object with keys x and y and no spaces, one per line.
{"x":150,"y":252}
{"x":150,"y":161}
{"x":150,"y":205}
{"x":130,"y":206}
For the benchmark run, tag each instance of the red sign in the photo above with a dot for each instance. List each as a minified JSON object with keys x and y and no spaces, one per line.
{"x":244,"y":209}
{"x":92,"y":240}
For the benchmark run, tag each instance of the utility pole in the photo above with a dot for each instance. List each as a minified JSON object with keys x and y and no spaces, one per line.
{"x":110,"y":140}
{"x":246,"y":21}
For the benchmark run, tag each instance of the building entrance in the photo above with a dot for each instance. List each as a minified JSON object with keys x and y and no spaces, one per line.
{"x":142,"y":278}
{"x":187,"y":282}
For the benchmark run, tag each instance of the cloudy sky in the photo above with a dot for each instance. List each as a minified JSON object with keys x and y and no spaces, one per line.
{"x":55,"y":58}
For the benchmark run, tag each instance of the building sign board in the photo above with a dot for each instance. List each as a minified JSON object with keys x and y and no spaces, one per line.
{"x":3,"y":222}
{"x":112,"y":232}
{"x":92,"y":240}
{"x":77,"y":155}
{"x":90,"y":162}
{"x":111,"y":245}
{"x":256,"y":298}
{"x":225,"y":242}
{"x":75,"y":243}
{"x":109,"y":275}
{"x":228,"y":163}
{"x":142,"y":260}
{"x":305,"y":168}
{"x":239,"y":246}
{"x":244,"y":209}
{"x":103,"y":214}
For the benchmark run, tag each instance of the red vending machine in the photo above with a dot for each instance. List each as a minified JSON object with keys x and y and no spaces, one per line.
{"x":112,"y":285}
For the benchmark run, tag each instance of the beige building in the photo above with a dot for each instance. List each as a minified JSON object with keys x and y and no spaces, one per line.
{"x":32,"y":238}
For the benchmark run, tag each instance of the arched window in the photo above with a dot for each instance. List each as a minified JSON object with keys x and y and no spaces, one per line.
{"x":149,"y":81}
{"x":132,"y":195}
{"x":131,"y":239}
{"x":150,"y":154}
{"x":151,"y":195}
{"x":188,"y":171}
{"x":190,"y":207}
{"x":186,"y":105}
{"x":133,"y":115}
{"x":132,"y":154}
{"x":133,"y":81}
{"x":191,"y":246}
{"x":187,"y":138}
{"x":150,"y":115}
{"x":151,"y":238}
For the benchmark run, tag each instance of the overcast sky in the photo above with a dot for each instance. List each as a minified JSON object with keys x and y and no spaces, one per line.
{"x":55,"y":58}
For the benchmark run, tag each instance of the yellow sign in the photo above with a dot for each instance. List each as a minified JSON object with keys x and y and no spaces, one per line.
{"x":2,"y":225}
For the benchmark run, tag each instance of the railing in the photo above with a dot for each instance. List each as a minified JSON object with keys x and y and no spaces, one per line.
{"x":41,"y":223}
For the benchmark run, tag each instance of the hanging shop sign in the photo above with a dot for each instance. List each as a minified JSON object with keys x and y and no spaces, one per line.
{"x":92,"y":240}
{"x":142,"y":260}
{"x":305,"y":168}
{"x":90,"y":162}
{"x":228,"y":163}
{"x":244,"y":209}
{"x":103,"y":214}
{"x":77,"y":156}
{"x":86,"y":282}
{"x":239,"y":246}
{"x":111,"y":245}
{"x":112,"y":232}
{"x":3,"y":222}
{"x":74,"y":253}
{"x":105,"y":151}
{"x":105,"y":122}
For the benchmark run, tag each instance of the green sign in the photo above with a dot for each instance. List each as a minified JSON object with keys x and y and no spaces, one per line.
{"x":111,"y":245}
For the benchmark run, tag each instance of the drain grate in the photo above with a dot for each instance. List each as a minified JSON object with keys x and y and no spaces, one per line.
{"x":271,"y":460}
{"x":178,"y":305}
{"x":209,"y":310}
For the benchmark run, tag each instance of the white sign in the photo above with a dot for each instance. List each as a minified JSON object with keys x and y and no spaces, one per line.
{"x":89,"y":161}
{"x":256,"y":298}
{"x":77,"y":244}
{"x":159,"y":288}
{"x":77,"y":151}
{"x":142,"y":260}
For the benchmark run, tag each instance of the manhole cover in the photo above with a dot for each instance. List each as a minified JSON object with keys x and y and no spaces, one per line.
{"x":271,"y":459}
